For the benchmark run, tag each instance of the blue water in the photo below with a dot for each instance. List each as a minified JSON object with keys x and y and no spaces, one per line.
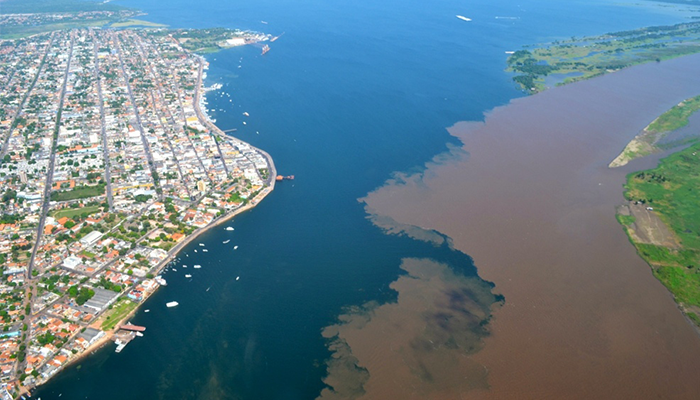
{"x":352,"y":92}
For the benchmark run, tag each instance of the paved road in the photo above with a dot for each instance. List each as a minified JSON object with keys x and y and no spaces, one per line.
{"x":105,"y":148}
{"x":144,"y":141}
{"x":6,"y":141}
{"x":52,"y":161}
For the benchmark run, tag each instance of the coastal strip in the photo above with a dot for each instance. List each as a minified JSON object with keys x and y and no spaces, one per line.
{"x":106,"y":183}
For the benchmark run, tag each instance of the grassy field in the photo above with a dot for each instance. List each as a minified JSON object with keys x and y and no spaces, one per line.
{"x":117,"y":313}
{"x":72,"y":212}
{"x":81,"y":192}
{"x":672,"y":190}
{"x":577,"y":59}
{"x":136,"y":23}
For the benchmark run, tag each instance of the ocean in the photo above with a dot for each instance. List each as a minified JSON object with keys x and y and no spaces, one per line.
{"x":350,"y":94}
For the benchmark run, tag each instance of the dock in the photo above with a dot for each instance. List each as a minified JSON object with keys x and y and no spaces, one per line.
{"x":134,"y":328}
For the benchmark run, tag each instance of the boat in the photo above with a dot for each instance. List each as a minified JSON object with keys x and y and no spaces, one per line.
{"x":197,"y":266}
{"x":510,"y":52}
{"x":139,"y":334}
{"x":265,"y":49}
{"x":264,"y":22}
{"x":195,"y":250}
{"x":235,"y":247}
{"x":184,"y":266}
{"x":208,"y":289}
{"x":246,"y":113}
{"x":205,"y":250}
{"x":146,"y":310}
{"x":229,"y":228}
{"x":238,"y":277}
{"x":226,"y":241}
{"x":162,"y":282}
{"x":201,"y":244}
{"x":188,"y":276}
{"x":463,"y":18}
{"x":172,"y":304}
{"x":120,"y":347}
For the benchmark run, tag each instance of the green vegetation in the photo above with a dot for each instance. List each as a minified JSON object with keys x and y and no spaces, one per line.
{"x":55,"y":6}
{"x":646,"y":143}
{"x":136,"y":23}
{"x":21,"y":31}
{"x":672,"y":190}
{"x":676,"y":117}
{"x":81,"y":295}
{"x":79,"y":192}
{"x":577,"y":59}
{"x":73,"y":212}
{"x":205,"y":40}
{"x":117,"y":313}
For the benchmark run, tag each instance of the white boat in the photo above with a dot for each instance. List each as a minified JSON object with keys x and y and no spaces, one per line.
{"x":235,"y":247}
{"x":162,"y":282}
{"x":120,"y":347}
{"x":139,"y":334}
{"x":195,"y":250}
{"x":188,"y":276}
{"x":197,"y":266}
{"x":238,"y":277}
{"x":246,"y":113}
{"x":205,"y":250}
{"x":174,"y":270}
{"x":146,"y":310}
{"x":201,"y":244}
{"x":171,"y":304}
{"x":229,"y":228}
{"x":226,"y":241}
{"x":184,"y":266}
{"x":463,"y":18}
{"x":510,"y":52}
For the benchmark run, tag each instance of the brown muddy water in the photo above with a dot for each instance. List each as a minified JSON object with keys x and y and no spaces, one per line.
{"x":530,"y":198}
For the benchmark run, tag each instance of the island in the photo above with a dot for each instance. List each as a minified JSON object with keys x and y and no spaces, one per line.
{"x":575,"y":59}
{"x":109,"y":166}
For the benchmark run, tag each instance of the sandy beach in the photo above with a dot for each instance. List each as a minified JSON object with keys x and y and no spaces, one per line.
{"x":530,"y":198}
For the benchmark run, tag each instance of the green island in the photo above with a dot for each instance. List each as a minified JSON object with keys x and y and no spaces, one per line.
{"x":647,"y":142}
{"x":662,"y":220}
{"x":567,"y":61}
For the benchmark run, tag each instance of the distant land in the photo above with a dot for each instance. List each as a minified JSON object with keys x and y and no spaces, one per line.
{"x":567,"y":61}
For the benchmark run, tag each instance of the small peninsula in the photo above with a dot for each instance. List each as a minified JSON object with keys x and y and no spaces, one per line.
{"x":648,"y":141}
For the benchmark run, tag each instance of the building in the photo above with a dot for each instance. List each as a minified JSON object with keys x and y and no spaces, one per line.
{"x":91,"y":238}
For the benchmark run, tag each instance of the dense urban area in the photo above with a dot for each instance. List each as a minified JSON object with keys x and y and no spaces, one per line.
{"x":108,"y":166}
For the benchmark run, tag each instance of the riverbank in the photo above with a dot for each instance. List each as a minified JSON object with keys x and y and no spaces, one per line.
{"x":662,"y":225}
{"x":534,"y":204}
